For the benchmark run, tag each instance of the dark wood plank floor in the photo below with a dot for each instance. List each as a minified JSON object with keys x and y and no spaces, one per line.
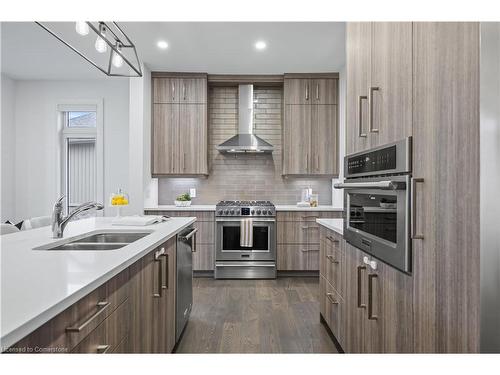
{"x":255,"y":316}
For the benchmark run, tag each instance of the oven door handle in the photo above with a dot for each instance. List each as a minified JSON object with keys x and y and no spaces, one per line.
{"x":255,"y":219}
{"x":381,"y":185}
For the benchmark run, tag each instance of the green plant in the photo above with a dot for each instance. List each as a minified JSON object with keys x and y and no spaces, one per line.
{"x":184,"y":197}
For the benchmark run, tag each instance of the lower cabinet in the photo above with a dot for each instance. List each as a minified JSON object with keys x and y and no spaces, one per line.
{"x":379,"y":306}
{"x":134,"y":312}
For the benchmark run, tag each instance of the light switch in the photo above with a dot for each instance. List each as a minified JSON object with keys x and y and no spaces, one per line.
{"x":192,"y":192}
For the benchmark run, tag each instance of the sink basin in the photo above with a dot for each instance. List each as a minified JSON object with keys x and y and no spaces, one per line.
{"x":96,"y":241}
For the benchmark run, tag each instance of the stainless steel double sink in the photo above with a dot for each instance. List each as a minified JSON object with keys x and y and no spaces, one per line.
{"x":97,"y":240}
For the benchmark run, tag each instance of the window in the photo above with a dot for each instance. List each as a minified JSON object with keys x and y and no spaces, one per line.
{"x":81,"y":167}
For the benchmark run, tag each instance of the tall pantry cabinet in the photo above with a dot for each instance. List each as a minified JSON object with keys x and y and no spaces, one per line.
{"x":422,"y":80}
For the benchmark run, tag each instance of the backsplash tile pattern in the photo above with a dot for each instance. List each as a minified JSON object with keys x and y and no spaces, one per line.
{"x":244,"y":176}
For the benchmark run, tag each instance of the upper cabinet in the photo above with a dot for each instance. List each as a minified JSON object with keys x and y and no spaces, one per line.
{"x":179,"y":131}
{"x":180,"y":90}
{"x":310,"y":127}
{"x":379,"y":83}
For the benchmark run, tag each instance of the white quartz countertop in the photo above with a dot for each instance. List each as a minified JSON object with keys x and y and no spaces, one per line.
{"x":39,"y":284}
{"x":337,"y":225}
{"x":209,"y":207}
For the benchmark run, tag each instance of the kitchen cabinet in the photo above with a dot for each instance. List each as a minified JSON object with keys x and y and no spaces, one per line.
{"x":446,"y":171}
{"x":379,"y":83}
{"x":297,"y":237}
{"x":310,"y":128}
{"x":179,"y":89}
{"x":379,"y":306}
{"x":179,"y":140}
{"x":203,"y":257}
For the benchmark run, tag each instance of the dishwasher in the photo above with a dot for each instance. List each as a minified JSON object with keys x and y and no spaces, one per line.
{"x":186,"y":245}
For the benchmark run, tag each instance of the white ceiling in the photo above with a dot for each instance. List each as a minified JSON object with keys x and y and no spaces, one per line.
{"x":29,"y":52}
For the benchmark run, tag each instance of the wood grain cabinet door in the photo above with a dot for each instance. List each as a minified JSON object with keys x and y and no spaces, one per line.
{"x":324,"y":160}
{"x":297,"y":139}
{"x":165,"y":139}
{"x":166,"y":90}
{"x":193,"y":135}
{"x":324,"y":91}
{"x":390,"y":88}
{"x":193,"y":90}
{"x":358,"y":66}
{"x":298,"y":91}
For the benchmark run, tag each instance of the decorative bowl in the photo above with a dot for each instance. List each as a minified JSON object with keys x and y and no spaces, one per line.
{"x":182,"y":203}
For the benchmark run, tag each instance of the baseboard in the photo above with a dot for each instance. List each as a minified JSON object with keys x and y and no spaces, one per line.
{"x":298,"y":273}
{"x":208,"y":273}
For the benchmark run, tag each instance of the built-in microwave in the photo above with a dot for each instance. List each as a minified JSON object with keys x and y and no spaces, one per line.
{"x":377,"y":202}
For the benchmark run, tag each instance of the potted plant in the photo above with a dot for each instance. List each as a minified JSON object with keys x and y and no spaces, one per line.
{"x":183,"y":200}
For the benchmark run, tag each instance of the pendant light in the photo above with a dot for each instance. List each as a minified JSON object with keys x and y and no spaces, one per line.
{"x":100,"y":44}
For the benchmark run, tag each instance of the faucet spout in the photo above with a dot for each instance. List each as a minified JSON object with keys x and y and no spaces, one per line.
{"x":59,"y":222}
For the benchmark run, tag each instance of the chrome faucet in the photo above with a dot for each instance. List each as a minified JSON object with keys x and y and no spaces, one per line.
{"x":59,"y":222}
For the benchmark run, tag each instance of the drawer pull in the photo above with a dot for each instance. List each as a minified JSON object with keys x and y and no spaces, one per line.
{"x":331,"y":239}
{"x":360,"y":269}
{"x":308,"y":250}
{"x":309,"y":216}
{"x":157,"y":259}
{"x":103,"y":349}
{"x":371,"y":315}
{"x":332,"y":259}
{"x":101,"y":307}
{"x":330,"y":298}
{"x":310,"y":227}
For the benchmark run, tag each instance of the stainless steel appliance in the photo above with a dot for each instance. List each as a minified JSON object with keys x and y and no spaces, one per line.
{"x":233,"y":261}
{"x":377,"y":202}
{"x":186,"y":245}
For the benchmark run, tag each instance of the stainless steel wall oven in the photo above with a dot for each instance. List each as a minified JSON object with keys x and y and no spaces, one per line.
{"x":377,"y":202}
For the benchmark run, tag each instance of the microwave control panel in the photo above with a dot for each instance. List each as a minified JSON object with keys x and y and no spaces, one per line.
{"x":373,"y":161}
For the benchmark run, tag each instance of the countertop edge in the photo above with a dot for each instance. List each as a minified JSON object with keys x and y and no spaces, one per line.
{"x":33,"y":324}
{"x":209,"y":208}
{"x":329,"y":223}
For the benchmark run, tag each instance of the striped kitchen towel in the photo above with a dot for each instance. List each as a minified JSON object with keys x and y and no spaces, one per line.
{"x":246,"y":233}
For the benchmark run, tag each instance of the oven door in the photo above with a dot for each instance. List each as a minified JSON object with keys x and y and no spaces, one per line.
{"x":378,"y":218}
{"x":228,"y":240}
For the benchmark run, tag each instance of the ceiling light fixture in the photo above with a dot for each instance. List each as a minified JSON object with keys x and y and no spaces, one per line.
{"x":162,"y":44}
{"x":260,"y":45}
{"x":121,"y":49}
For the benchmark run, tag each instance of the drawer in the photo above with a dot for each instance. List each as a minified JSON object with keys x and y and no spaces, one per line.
{"x":306,"y":215}
{"x":206,"y":232}
{"x":334,"y":266}
{"x":200,"y":215}
{"x":297,"y":232}
{"x":203,"y":258}
{"x":71,"y":326}
{"x":108,"y":335}
{"x":334,"y":310}
{"x":292,"y":257}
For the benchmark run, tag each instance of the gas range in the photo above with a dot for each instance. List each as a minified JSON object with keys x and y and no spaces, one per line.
{"x":245,"y":208}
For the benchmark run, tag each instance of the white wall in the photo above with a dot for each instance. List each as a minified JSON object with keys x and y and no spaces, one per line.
{"x":7,"y":204}
{"x":37,"y":182}
{"x":490,"y":186}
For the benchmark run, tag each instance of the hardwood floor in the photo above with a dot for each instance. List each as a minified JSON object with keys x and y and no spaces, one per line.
{"x":255,"y":316}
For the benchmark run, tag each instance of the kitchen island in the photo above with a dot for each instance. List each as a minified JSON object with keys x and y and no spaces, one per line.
{"x":37,"y":285}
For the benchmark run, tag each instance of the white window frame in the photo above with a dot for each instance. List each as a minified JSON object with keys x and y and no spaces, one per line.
{"x":66,"y":133}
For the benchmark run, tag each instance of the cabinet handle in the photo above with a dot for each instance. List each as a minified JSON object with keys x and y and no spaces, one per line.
{"x":308,"y":250}
{"x":309,"y":216}
{"x":332,"y":259}
{"x":317,"y":91}
{"x":371,"y":316}
{"x":103,"y":349}
{"x":360,"y":270}
{"x":330,"y":298}
{"x":307,"y":92}
{"x":184,"y":91}
{"x":167,"y":260}
{"x":158,"y":255}
{"x":413,"y":209}
{"x":331,"y":239}
{"x":309,"y":227}
{"x":184,"y":162}
{"x":101,"y":307}
{"x":173,"y":91}
{"x":307,"y":162}
{"x":370,"y":106}
{"x":360,"y":115}
{"x":317,"y":162}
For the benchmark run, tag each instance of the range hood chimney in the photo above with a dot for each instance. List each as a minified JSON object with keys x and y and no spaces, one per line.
{"x":245,"y":140}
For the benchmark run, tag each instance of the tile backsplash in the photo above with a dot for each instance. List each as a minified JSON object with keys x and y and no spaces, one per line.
{"x":244,"y":176}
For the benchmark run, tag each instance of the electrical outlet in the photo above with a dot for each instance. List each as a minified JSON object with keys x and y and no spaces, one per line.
{"x":192,"y":192}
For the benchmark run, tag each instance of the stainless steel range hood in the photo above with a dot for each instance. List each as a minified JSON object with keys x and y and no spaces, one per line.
{"x":245,"y":140}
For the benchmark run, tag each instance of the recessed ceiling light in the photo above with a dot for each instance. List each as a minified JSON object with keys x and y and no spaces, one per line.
{"x":162,"y":44}
{"x":260,"y":45}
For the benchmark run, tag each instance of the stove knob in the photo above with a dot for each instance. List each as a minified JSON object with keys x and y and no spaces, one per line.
{"x":219,"y":212}
{"x":258,"y":212}
{"x":231,"y":212}
{"x":252,"y":212}
{"x":237,"y":212}
{"x":264,"y":212}
{"x":269,"y":212}
{"x":225,"y":212}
